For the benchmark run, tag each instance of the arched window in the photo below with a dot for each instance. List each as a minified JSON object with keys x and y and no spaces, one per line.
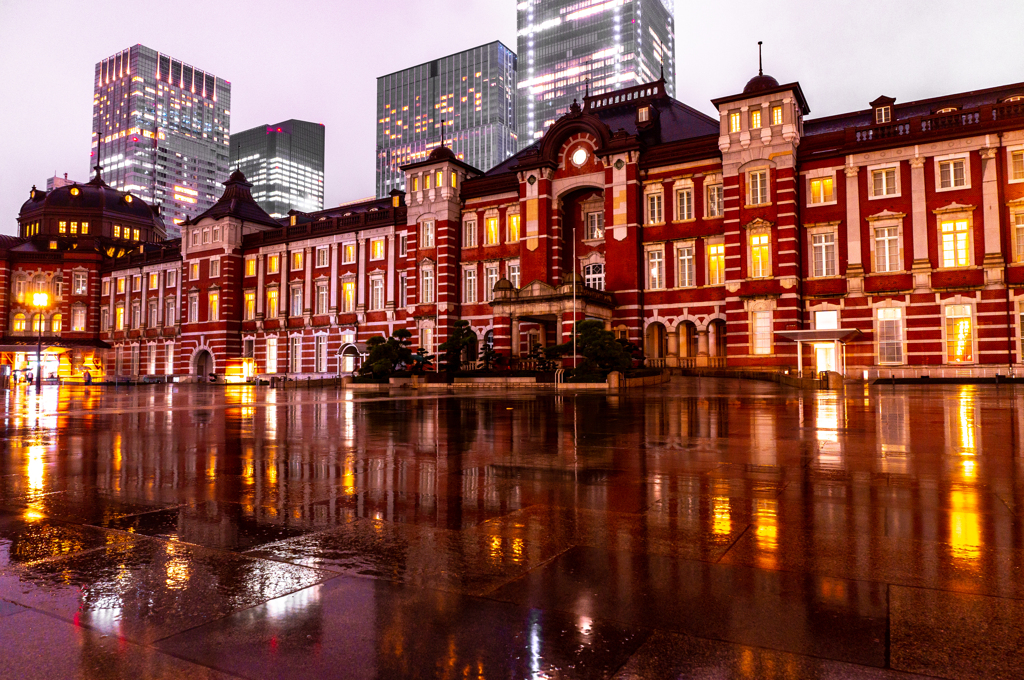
{"x":56,"y":322}
{"x":489,"y":339}
{"x":39,"y":284}
{"x":38,"y":322}
{"x":593,"y":276}
{"x":19,"y":322}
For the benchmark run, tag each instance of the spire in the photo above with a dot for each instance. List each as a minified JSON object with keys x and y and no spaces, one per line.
{"x":587,"y":92}
{"x":663,"y":70}
{"x":442,"y":132}
{"x":760,"y":67}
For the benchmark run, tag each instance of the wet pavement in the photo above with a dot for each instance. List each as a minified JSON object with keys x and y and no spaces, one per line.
{"x":706,"y":528}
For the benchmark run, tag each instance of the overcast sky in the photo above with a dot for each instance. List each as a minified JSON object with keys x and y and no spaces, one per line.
{"x":318,"y":61}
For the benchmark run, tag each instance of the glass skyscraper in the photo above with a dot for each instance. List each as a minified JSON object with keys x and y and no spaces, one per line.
{"x":164,"y":128}
{"x":564,"y":43}
{"x":285,"y":164}
{"x":473,"y":92}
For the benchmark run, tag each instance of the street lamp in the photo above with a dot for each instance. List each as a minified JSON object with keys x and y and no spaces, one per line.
{"x":40,"y":301}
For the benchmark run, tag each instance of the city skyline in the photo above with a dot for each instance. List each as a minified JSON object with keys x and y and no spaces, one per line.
{"x":275,"y":86}
{"x":285,"y":164}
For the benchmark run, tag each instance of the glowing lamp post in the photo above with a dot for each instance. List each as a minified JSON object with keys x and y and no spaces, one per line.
{"x":40,"y":301}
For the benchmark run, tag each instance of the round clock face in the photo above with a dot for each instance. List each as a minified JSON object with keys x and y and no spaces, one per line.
{"x":127,"y":199}
{"x":579,"y":156}
{"x":74,"y":192}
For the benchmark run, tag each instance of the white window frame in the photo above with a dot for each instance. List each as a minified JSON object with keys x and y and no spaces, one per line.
{"x":514,"y":273}
{"x":1017,"y":231}
{"x":710,"y":203}
{"x":349,"y":247}
{"x":707,"y":260}
{"x":902,"y":340}
{"x":751,"y":233}
{"x":510,"y":217}
{"x":492,"y":237}
{"x":427,"y":273}
{"x":383,"y":249}
{"x":951,"y":159}
{"x":300,"y":255}
{"x":348,"y":306}
{"x":972,"y":310}
{"x":469,"y":285}
{"x":763,"y":186}
{"x":828,"y":261}
{"x":812,"y":197}
{"x":323,"y":301}
{"x":295,"y":357}
{"x":897,"y":189}
{"x":376,"y":293}
{"x":685,"y":211}
{"x":883,"y":115}
{"x":80,"y":283}
{"x":594,"y":273}
{"x":594,"y":230}
{"x":686,"y":274}
{"x":213,"y":311}
{"x":655,"y":279}
{"x":193,"y":308}
{"x":403,"y":245}
{"x":886,"y":224}
{"x":954,"y":218}
{"x":323,"y":257}
{"x":654,"y":206}
{"x":757,"y":348}
{"x":469,"y":233}
{"x":270,"y":349}
{"x":427,"y":236}
{"x":78,"y":318}
{"x":320,"y":353}
{"x":214,"y":267}
{"x":1013,"y":152}
{"x":491,"y":277}
{"x":403,"y":291}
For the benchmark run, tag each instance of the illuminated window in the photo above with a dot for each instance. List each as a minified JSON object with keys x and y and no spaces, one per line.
{"x":959,"y":334}
{"x":762,"y":332}
{"x":121,"y":284}
{"x":297,"y":260}
{"x":321,"y":298}
{"x":686,"y":270}
{"x":78,"y":319}
{"x":715,"y":200}
{"x":760,"y":255}
{"x":135,"y":234}
{"x":250,"y":305}
{"x":883,"y":114}
{"x":953,"y":174}
{"x":821,"y":191}
{"x":513,"y":275}
{"x":348,"y":253}
{"x":273,"y":311}
{"x":1018,"y":228}
{"x":491,"y":231}
{"x":427,"y":286}
{"x":214,"y":268}
{"x":883,"y":182}
{"x":454,"y":177}
{"x":85,"y":228}
{"x":79,"y":283}
{"x":322,"y":255}
{"x":426,"y":181}
{"x":377,"y":249}
{"x":890,"y":335}
{"x":684,"y":204}
{"x":119,"y":318}
{"x":734,"y":122}
{"x":655,"y":269}
{"x":469,"y":234}
{"x":1017,"y":165}
{"x":437,"y":179}
{"x":887,"y":249}
{"x":62,"y":227}
{"x":348,"y":296}
{"x":654,"y":208}
{"x":755,"y":119}
{"x":469,"y":285}
{"x":427,"y":234}
{"x":376,"y":293}
{"x":193,"y":271}
{"x":415,"y":183}
{"x":250,"y":266}
{"x":643,"y":114}
{"x":295,"y":354}
{"x":273,"y":264}
{"x":19,"y":322}
{"x":955,"y":243}
{"x":757,"y":187}
{"x":104,"y":288}
{"x":295,"y":309}
{"x":513,"y":229}
{"x":74,"y":228}
{"x":154,"y":280}
{"x":595,"y":225}
{"x":427,"y":339}
{"x":56,"y":322}
{"x":271,"y":355}
{"x":776,"y":115}
{"x":823,"y":249}
{"x":716,"y":264}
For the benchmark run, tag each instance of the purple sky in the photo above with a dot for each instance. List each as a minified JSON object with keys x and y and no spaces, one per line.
{"x":319,"y":61}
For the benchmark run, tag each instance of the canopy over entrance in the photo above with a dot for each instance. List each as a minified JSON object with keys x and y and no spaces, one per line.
{"x":829,"y":347}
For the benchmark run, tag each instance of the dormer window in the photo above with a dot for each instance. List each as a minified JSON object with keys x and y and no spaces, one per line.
{"x":734,"y":122}
{"x":643,"y":114}
{"x":776,"y":115}
{"x":883,"y":114}
{"x":755,"y":119}
{"x":1014,"y":98}
{"x":948,"y":109}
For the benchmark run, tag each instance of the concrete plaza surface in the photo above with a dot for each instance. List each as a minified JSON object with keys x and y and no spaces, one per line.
{"x":706,"y":528}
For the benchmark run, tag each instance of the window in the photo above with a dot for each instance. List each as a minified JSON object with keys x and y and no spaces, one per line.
{"x":214,"y":307}
{"x":593,"y":276}
{"x":426,"y":181}
{"x":250,"y":305}
{"x":105,"y":288}
{"x":757,"y":187}
{"x":322,"y":303}
{"x":512,"y":233}
{"x":490,"y":281}
{"x":172,"y":277}
{"x":193,"y":271}
{"x":491,"y":231}
{"x":1017,"y":165}
{"x":169,"y":358}
{"x":655,"y":269}
{"x":19,"y":322}
{"x":454,"y":179}
{"x":823,"y":247}
{"x":214,"y":269}
{"x":654,"y":208}
{"x":153,"y":316}
{"x":469,"y":285}
{"x":959,"y":334}
{"x":734,"y":122}
{"x":890,"y":335}
{"x":403,"y":245}
{"x":271,"y":355}
{"x":438,"y":178}
{"x":686,"y":274}
{"x":169,"y":313}
{"x":776,"y":115}
{"x":762,"y":335}
{"x":195,"y":237}
{"x":887,"y":249}
{"x":117,"y":231}
{"x":377,"y":293}
{"x":348,"y":296}
{"x":74,"y":227}
{"x":954,"y":244}
{"x":513,"y":275}
{"x":135,"y":359}
{"x":427,"y":286}
{"x":377,"y":249}
{"x":154,"y":280}
{"x":56,"y":323}
{"x":321,"y":354}
{"x":760,"y":255}
{"x":250,"y":266}
{"x":79,"y":283}
{"x":595,"y":225}
{"x":78,"y":318}
{"x":469,"y":234}
{"x":716,"y":264}
{"x":684,"y":204}
{"x":755,"y":119}
{"x":826,"y":320}
{"x":427,"y":234}
{"x":295,"y":301}
{"x":322,"y":257}
{"x":416,"y":183}
{"x":953,"y":174}
{"x":206,"y":236}
{"x":136,"y":283}
{"x":403,"y":291}
{"x":104,"y":321}
{"x":62,"y":227}
{"x":272,"y":304}
{"x":822,"y":191}
{"x":85,"y":228}
{"x":216,"y":234}
{"x":295,"y":354}
{"x":427,"y":339}
{"x":643,"y":114}
{"x":151,"y":359}
{"x":273,"y":264}
{"x":297,"y":261}
{"x":883,"y":114}
{"x":136,"y":315}
{"x":1018,"y":227}
{"x":883,"y":182}
{"x":348,"y":253}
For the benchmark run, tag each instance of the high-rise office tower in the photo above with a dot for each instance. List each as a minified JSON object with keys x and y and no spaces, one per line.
{"x":164,"y":128}
{"x":472,"y":92}
{"x":285,"y":164}
{"x":563,"y":44}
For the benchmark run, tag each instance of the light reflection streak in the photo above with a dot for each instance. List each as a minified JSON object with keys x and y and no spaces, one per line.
{"x":35,"y":467}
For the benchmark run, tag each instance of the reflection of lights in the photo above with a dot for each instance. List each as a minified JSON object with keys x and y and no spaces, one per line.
{"x":272,"y":474}
{"x":766,"y":531}
{"x":36,"y":468}
{"x":32,"y":515}
{"x":969,"y":469}
{"x":534,"y":643}
{"x":289,"y":606}
{"x":967,"y":420}
{"x":178,"y":571}
{"x":964,"y":525}
{"x":585,"y":625}
{"x":722,"y":523}
{"x":495,"y":548}
{"x":517,"y":549}
{"x":827,"y":424}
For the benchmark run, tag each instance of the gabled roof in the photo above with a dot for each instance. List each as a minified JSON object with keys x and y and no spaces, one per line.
{"x":237,"y":201}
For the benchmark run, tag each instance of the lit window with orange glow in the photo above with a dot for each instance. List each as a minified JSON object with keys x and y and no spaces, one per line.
{"x":734,"y":122}
{"x":776,"y":115}
{"x":955,"y":241}
{"x":513,"y":228}
{"x":760,"y":256}
{"x":491,"y":231}
{"x":959,"y":334}
{"x":755,"y":119}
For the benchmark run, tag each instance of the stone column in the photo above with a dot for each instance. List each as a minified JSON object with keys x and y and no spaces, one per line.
{"x":515,"y":337}
{"x":261,"y":292}
{"x":919,"y":221}
{"x":673,"y":342}
{"x":854,"y":249}
{"x":702,"y":343}
{"x":307,"y":281}
{"x":389,"y":298}
{"x":360,"y":278}
{"x":333,"y":300}
{"x":503,"y":326}
{"x":712,"y":340}
{"x":161,"y":303}
{"x":990,"y":211}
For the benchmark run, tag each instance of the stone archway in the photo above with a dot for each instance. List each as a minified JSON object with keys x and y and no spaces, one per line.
{"x":203,"y":365}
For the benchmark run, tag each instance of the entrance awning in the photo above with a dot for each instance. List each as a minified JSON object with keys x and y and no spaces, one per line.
{"x":27,"y":344}
{"x":837,"y":334}
{"x":354,"y":348}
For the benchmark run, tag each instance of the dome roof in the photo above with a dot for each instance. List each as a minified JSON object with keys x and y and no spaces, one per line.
{"x":93,"y":195}
{"x":760,"y":83}
{"x":441,"y":153}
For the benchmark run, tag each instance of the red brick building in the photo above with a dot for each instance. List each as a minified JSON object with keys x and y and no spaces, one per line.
{"x":883,"y":241}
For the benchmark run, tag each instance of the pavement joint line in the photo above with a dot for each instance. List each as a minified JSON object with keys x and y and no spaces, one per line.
{"x":737,"y":540}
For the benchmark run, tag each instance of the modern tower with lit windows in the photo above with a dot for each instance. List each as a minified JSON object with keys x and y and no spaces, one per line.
{"x":285,"y":164}
{"x":473,"y":93}
{"x":162,"y":129}
{"x":566,"y":45}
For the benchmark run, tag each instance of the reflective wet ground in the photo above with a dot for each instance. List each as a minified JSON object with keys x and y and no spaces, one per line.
{"x":702,"y":529}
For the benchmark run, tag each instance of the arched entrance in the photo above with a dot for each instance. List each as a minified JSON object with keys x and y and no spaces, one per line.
{"x":687,"y":339}
{"x":656,"y":341}
{"x":202,"y":365}
{"x":717,"y":340}
{"x":582,"y":216}
{"x":471,"y":350}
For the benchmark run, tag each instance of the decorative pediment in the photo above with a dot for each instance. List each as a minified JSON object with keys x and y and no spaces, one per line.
{"x":758,"y":223}
{"x":954,"y":207}
{"x":535,"y":289}
{"x":886,"y":215}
